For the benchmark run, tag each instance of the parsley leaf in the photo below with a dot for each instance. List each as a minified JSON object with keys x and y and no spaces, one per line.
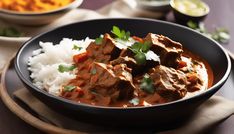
{"x":140,"y":58}
{"x":140,"y":51}
{"x":147,"y":84}
{"x":69,"y":88}
{"x":134,"y":101}
{"x":75,"y":47}
{"x":192,"y":24}
{"x":99,"y":40}
{"x":220,"y":35}
{"x":63,"y":68}
{"x":121,"y":34}
{"x":93,"y":71}
{"x":10,"y":32}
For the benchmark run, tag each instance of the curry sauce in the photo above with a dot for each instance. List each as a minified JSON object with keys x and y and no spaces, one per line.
{"x":110,"y":76}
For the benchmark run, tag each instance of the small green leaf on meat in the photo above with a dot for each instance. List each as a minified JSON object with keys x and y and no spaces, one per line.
{"x":121,"y":34}
{"x":147,"y":84}
{"x":140,"y":51}
{"x":140,"y":58}
{"x":69,"y":88}
{"x":134,"y":101}
{"x":99,"y":40}
{"x":75,"y":47}
{"x":63,"y":68}
{"x":146,"y":46}
{"x":93,"y":71}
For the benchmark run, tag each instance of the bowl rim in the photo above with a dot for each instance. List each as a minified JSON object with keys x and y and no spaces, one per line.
{"x":153,"y":3}
{"x":209,"y":90}
{"x":195,"y":16}
{"x":70,"y":6}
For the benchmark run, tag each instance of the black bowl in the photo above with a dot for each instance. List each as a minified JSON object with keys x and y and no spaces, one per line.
{"x":156,"y":115}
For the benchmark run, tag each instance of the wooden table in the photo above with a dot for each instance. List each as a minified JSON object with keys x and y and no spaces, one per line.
{"x":222,"y":14}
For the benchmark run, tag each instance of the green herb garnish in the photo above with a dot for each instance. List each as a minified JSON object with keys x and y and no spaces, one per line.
{"x":140,"y":50}
{"x":63,"y":68}
{"x":75,"y":47}
{"x":93,"y":71}
{"x":192,"y":24}
{"x":121,"y":34}
{"x":221,"y":35}
{"x":99,"y":40}
{"x":134,"y":101}
{"x":10,"y":32}
{"x":147,"y":84}
{"x":140,"y":58}
{"x":69,"y":88}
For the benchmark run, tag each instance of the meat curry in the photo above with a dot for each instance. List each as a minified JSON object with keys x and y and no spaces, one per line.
{"x":109,"y":75}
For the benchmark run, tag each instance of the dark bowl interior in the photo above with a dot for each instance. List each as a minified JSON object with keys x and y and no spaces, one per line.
{"x":159,"y":114}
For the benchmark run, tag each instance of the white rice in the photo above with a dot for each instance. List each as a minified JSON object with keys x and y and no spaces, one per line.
{"x":45,"y":61}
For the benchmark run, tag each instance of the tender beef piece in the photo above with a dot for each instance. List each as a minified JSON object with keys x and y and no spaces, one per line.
{"x":168,"y":82}
{"x":115,"y":82}
{"x":196,"y":74}
{"x":103,"y":52}
{"x":195,"y":82}
{"x":130,"y":62}
{"x":127,"y":57}
{"x":169,"y":51}
{"x":126,"y":52}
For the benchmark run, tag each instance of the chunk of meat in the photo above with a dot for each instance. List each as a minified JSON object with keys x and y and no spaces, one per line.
{"x":130,"y":62}
{"x":127,"y":57}
{"x":115,"y":82}
{"x":168,"y":50}
{"x":168,"y":82}
{"x":196,"y":74}
{"x":103,"y":52}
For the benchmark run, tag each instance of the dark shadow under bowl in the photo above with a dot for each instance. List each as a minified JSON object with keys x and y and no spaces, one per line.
{"x":157,"y":115}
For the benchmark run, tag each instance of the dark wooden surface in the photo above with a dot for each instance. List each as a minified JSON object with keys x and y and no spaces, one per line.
{"x":222,"y":14}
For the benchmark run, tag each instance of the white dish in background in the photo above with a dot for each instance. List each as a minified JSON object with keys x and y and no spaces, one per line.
{"x":37,"y":18}
{"x":154,"y":5}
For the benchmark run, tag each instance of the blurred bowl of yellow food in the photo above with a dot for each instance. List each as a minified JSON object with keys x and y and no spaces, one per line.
{"x":35,"y":12}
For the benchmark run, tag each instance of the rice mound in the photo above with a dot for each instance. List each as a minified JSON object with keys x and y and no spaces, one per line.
{"x":45,"y":61}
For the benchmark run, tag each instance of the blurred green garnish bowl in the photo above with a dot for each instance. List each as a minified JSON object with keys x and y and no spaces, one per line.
{"x":186,"y":10}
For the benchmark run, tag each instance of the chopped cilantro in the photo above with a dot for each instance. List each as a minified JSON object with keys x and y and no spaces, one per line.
{"x":140,"y":58}
{"x":75,"y":47}
{"x":10,"y":32}
{"x":147,"y":84}
{"x":134,"y":101}
{"x":99,"y":40}
{"x":192,"y":24}
{"x":220,"y":34}
{"x":93,"y":71}
{"x":140,"y":50}
{"x":121,"y":34}
{"x":69,"y":88}
{"x":63,"y":68}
